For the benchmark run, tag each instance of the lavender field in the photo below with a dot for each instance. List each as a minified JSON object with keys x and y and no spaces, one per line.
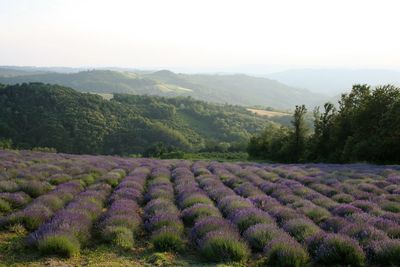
{"x":60,"y":209}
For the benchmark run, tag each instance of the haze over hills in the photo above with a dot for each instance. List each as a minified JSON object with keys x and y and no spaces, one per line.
{"x":335,"y":81}
{"x":281,"y":90}
{"x":238,"y":89}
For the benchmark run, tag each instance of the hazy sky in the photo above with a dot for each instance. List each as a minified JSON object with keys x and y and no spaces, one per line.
{"x":200,"y":34}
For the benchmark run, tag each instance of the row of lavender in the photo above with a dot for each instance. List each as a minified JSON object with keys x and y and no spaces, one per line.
{"x":65,"y":216}
{"x":27,"y":175}
{"x":215,"y":237}
{"x":162,"y":217}
{"x":330,"y":215}
{"x":121,"y":223}
{"x":258,"y":228}
{"x":286,"y":215}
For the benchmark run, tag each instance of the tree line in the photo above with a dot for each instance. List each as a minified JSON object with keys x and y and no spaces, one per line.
{"x":364,"y":126}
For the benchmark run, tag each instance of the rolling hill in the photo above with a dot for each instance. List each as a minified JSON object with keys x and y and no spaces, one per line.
{"x":43,"y":115}
{"x":236,"y":89}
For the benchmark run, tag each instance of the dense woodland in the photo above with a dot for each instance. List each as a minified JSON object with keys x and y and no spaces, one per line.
{"x":364,"y":127}
{"x":41,"y":115}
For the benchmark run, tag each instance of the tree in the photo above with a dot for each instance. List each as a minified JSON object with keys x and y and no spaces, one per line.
{"x":299,"y":134}
{"x":320,"y":141}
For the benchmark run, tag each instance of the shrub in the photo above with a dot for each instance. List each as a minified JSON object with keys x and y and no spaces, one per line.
{"x":324,"y":202}
{"x":231,"y":204}
{"x":301,"y":229}
{"x":127,"y":193}
{"x":343,"y":198}
{"x":260,"y":234}
{"x":59,"y":179}
{"x":364,"y":233}
{"x":317,"y":214}
{"x":160,"y":205}
{"x":160,"y":192}
{"x":167,"y":238}
{"x":17,"y":199}
{"x":130,"y":221}
{"x":4,"y":206}
{"x":223,"y":246}
{"x":285,"y":252}
{"x":391,"y":206}
{"x":119,"y":235}
{"x":195,"y":199}
{"x":334,"y":224}
{"x":61,"y":245}
{"x":344,"y":210}
{"x":8,"y":186}
{"x":334,"y":249}
{"x":87,"y":179}
{"x":74,"y":222}
{"x":31,"y":217}
{"x":386,"y":253}
{"x":283,"y":214}
{"x":35,"y":188}
{"x":161,"y":220}
{"x":50,"y":201}
{"x":364,"y":205}
{"x":194,"y":213}
{"x":249,"y":217}
{"x":209,"y":224}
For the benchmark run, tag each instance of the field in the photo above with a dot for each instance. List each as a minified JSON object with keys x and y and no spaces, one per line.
{"x":73,"y":210}
{"x":268,"y":113}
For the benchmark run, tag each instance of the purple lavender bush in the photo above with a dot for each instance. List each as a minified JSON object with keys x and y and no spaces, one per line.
{"x":70,"y":227}
{"x":259,"y":235}
{"x":334,"y":250}
{"x":285,"y":251}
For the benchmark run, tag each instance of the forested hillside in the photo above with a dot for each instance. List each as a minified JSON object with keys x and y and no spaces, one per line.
{"x":232,"y":89}
{"x":42,"y":115}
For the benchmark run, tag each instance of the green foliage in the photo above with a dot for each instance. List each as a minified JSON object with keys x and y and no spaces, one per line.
{"x":226,"y":249}
{"x":272,"y":144}
{"x":35,"y":188}
{"x":299,"y":134}
{"x":4,"y":206}
{"x":336,"y":251}
{"x":317,"y":214}
{"x":45,"y":149}
{"x":59,"y":180}
{"x":53,"y":118}
{"x":391,"y":206}
{"x":59,"y":245}
{"x":228,"y":156}
{"x":120,"y":236}
{"x":285,"y":255}
{"x":364,"y":128}
{"x":5,"y":143}
{"x":167,"y":241}
{"x":387,"y":253}
{"x":195,"y":199}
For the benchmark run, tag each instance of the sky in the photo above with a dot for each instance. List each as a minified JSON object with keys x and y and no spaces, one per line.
{"x":200,"y":35}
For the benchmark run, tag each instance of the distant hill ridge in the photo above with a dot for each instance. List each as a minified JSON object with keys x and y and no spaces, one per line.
{"x":238,"y":89}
